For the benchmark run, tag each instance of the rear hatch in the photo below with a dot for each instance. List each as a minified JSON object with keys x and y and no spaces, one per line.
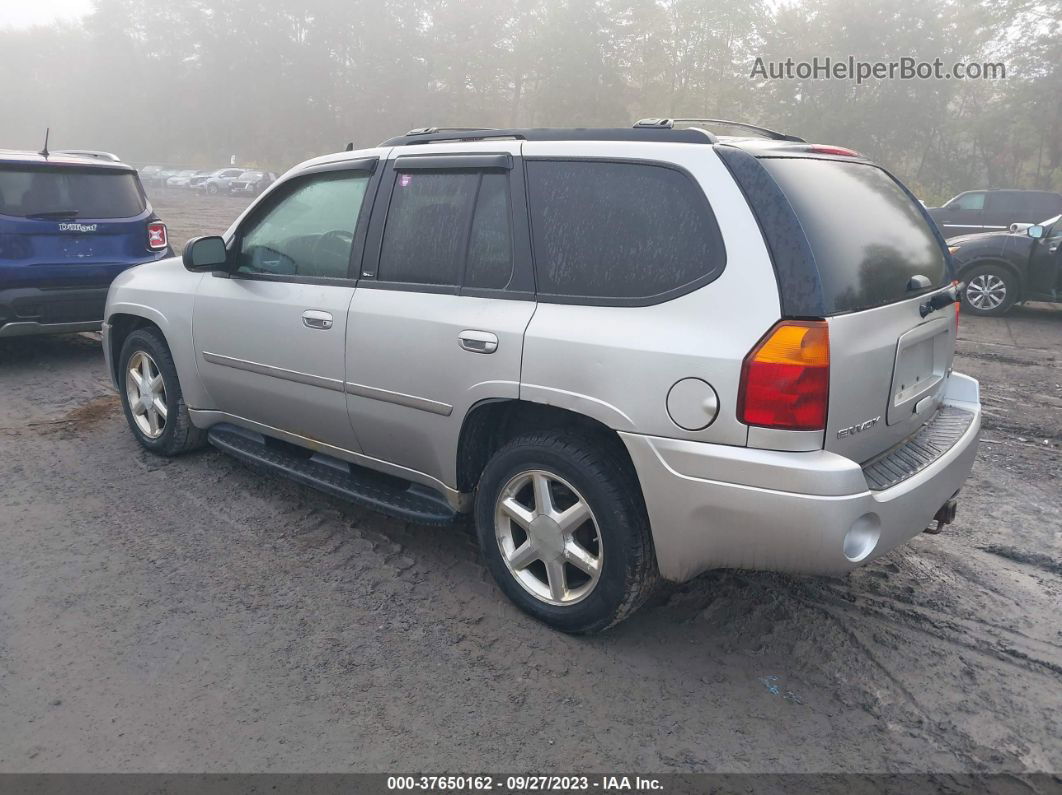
{"x":76,"y":222}
{"x":879,"y":262}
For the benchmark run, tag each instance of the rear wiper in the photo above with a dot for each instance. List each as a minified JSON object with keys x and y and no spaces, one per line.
{"x":54,"y":214}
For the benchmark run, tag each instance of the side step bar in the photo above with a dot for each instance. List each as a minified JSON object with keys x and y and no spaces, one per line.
{"x":388,"y":495}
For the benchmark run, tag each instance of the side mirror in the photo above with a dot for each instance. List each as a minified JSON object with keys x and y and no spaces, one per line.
{"x":205,"y":254}
{"x":1036,"y":231}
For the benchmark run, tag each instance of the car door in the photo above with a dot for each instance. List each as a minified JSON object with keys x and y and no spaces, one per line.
{"x":1005,"y":207}
{"x":963,"y":214}
{"x":270,"y":334}
{"x":438,"y":319}
{"x":1045,"y":262}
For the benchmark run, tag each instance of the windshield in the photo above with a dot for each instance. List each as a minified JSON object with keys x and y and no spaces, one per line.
{"x":27,"y":191}
{"x":868,"y":236}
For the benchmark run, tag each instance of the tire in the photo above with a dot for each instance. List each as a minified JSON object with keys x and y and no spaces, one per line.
{"x":175,"y":432}
{"x":212,"y":190}
{"x":614,"y":533}
{"x":990,"y":290}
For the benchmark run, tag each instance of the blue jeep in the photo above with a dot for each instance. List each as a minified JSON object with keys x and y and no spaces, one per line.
{"x":69,"y":223}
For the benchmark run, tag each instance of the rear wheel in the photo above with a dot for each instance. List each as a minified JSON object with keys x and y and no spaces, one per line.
{"x":564,"y":532}
{"x":212,"y":189}
{"x":151,"y":396}
{"x":990,"y":290}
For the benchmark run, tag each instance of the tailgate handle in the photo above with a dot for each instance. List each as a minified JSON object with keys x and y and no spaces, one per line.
{"x":944,"y":298}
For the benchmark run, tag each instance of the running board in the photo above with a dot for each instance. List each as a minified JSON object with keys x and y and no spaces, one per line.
{"x":384,"y":493}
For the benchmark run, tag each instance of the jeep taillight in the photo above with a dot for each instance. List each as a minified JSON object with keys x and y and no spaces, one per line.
{"x":785,"y":379}
{"x":156,"y":236}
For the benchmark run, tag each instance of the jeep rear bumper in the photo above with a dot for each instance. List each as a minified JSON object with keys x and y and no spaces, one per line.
{"x":26,"y":311}
{"x":715,"y":506}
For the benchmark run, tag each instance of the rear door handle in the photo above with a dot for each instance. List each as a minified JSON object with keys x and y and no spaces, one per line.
{"x":478,"y":341}
{"x":316,"y":319}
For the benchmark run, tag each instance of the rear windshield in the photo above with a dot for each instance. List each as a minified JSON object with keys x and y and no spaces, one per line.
{"x":868,"y":237}
{"x":69,"y":192}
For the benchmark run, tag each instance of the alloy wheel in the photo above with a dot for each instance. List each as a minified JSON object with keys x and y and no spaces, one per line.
{"x":986,"y":291}
{"x":145,"y":391}
{"x":548,"y":537}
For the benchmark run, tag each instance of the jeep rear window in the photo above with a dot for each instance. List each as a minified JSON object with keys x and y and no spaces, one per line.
{"x":868,"y":236}
{"x":69,"y":192}
{"x":620,"y":232}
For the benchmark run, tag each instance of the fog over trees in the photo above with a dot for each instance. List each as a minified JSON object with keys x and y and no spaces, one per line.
{"x":191,"y":82}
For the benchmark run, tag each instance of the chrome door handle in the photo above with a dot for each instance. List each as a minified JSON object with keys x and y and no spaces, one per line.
{"x":315,"y":318}
{"x":477,"y":341}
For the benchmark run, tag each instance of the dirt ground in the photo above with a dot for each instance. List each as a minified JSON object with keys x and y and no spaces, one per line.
{"x":193,"y":615}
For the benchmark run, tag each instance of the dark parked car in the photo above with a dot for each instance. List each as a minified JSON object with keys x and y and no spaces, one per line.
{"x":68,"y":225}
{"x":252,"y":182}
{"x":1002,"y":268}
{"x":994,"y":210}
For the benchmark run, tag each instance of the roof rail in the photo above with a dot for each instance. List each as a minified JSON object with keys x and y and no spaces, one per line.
{"x":668,"y":124}
{"x":425,"y":135}
{"x":93,"y":153}
{"x":766,"y":132}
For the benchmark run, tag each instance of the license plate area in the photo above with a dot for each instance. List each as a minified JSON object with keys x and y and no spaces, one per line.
{"x":923,"y":356}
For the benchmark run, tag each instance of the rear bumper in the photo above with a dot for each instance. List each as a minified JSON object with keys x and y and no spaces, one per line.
{"x":714,"y":506}
{"x":27,"y":311}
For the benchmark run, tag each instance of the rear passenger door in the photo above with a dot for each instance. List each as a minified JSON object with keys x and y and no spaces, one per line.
{"x":445,"y":295}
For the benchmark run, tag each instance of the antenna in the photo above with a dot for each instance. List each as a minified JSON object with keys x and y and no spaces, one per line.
{"x":44,"y":151}
{"x":349,"y":147}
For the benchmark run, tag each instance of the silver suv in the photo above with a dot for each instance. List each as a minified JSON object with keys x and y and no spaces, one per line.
{"x":629,"y":354}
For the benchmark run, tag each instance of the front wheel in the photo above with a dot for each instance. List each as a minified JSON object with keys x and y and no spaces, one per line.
{"x":564,"y":531}
{"x":151,"y":396}
{"x":990,"y":290}
{"x":212,"y":190}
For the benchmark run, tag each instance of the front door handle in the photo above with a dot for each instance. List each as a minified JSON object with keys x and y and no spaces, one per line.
{"x":478,"y":341}
{"x":315,"y":318}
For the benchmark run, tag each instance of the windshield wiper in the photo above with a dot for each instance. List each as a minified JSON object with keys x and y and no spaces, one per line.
{"x":54,"y":214}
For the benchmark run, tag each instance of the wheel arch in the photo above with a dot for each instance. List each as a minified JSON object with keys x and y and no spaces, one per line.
{"x":122,"y":324}
{"x":490,"y":423}
{"x":1010,"y":267}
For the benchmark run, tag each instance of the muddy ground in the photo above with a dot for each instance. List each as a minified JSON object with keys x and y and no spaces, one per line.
{"x":191,"y":614}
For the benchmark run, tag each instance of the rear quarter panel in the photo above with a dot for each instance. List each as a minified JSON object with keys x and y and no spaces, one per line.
{"x":617,"y":364}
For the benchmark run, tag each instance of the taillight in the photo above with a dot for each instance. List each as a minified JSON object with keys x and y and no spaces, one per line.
{"x":958,"y":306}
{"x":785,"y":379}
{"x":156,"y":236}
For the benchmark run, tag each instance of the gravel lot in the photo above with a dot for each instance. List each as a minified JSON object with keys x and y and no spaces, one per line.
{"x":193,"y":615}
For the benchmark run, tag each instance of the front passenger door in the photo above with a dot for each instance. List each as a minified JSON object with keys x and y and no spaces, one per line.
{"x":963,"y":215}
{"x":270,"y":334}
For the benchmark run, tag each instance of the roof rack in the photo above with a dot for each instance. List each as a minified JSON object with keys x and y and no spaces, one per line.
{"x":93,"y":153}
{"x":426,"y":135}
{"x":764,"y":131}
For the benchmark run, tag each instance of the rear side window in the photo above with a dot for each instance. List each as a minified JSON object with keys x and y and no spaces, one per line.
{"x":613,"y":231}
{"x":28,"y":192}
{"x":867,"y":235}
{"x":448,"y":228}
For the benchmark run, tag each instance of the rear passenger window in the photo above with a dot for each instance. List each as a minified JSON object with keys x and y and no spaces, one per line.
{"x":448,"y":228}
{"x":427,"y":227}
{"x":606,"y":230}
{"x":490,"y":246}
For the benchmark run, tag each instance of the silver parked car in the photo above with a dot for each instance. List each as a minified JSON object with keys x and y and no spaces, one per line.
{"x":629,"y":354}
